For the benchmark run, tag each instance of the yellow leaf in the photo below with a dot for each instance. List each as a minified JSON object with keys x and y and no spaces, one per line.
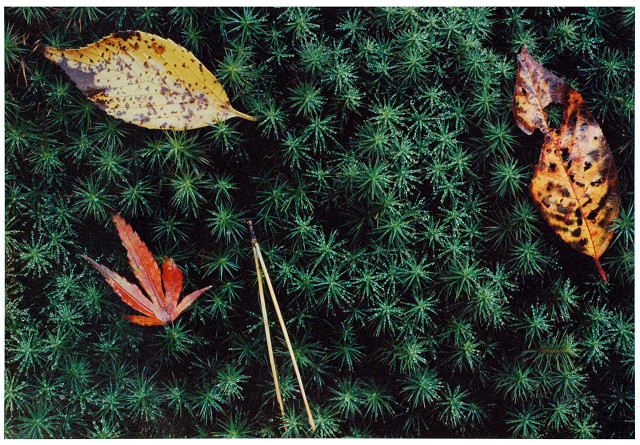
{"x":147,"y":80}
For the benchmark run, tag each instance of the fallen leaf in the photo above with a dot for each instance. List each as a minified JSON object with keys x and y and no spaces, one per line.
{"x":157,"y":306}
{"x":147,"y":80}
{"x":575,"y":183}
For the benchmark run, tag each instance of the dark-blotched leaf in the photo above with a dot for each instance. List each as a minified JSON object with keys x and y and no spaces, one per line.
{"x":575,"y":183}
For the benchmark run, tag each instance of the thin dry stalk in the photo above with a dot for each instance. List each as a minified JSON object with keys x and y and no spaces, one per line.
{"x":256,"y":248}
{"x":267,"y":333}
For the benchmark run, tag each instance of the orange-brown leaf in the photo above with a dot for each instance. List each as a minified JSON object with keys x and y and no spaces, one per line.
{"x":147,"y":80}
{"x":575,"y":183}
{"x":161,"y":307}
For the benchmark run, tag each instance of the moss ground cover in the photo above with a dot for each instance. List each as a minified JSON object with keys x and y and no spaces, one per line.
{"x":387,"y":181}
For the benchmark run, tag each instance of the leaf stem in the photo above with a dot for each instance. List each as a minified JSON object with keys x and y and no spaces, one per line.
{"x":243,"y":115}
{"x":601,"y":270}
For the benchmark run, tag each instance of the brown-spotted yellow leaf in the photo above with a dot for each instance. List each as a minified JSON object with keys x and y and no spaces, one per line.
{"x":147,"y":80}
{"x":575,"y":183}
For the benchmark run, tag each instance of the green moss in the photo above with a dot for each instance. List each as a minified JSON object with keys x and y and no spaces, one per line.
{"x":424,"y":294}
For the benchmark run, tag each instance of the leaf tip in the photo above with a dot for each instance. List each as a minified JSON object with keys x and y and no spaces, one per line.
{"x":121,"y":224}
{"x":89,"y":260}
{"x":53,"y":54}
{"x":115,"y":217}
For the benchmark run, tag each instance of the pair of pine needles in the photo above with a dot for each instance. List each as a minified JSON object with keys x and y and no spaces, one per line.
{"x":261,"y":269}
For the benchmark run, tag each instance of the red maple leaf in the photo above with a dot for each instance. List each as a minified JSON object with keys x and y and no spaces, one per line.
{"x":158,"y":306}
